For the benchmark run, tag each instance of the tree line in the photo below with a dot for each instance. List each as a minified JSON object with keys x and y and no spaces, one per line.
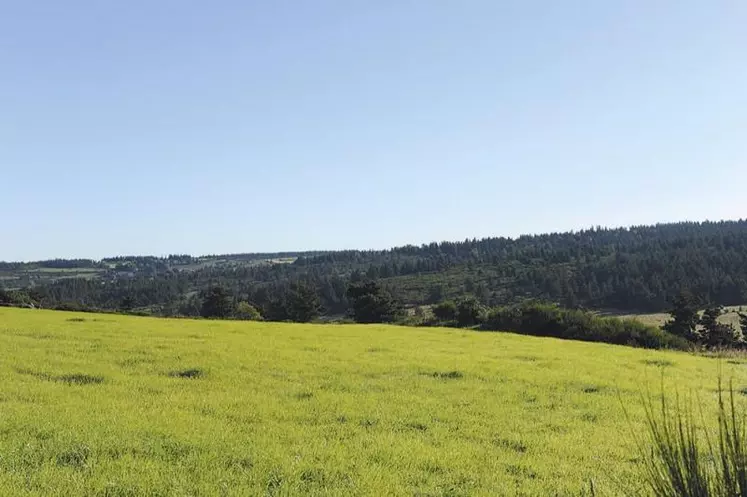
{"x":369,"y":302}
{"x":704,"y":328}
{"x":636,"y":269}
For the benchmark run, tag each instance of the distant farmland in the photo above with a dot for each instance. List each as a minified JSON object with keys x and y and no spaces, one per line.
{"x":112,"y":405}
{"x":21,"y":275}
{"x":730,"y":316}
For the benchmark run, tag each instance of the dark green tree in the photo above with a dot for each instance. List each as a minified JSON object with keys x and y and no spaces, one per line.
{"x":191,"y":306}
{"x":710,"y":316}
{"x":469,"y":312}
{"x":127,"y":304}
{"x":217,"y":303}
{"x":302,"y":303}
{"x":445,"y":311}
{"x":715,"y":333}
{"x":435,"y":293}
{"x":372,"y":304}
{"x":685,"y":319}
{"x":5,"y":297}
{"x":276,"y":309}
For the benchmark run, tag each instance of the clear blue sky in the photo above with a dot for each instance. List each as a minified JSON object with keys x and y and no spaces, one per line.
{"x":156,"y":127}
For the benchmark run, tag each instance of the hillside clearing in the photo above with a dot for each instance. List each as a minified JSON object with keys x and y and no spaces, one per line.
{"x":114,"y":405}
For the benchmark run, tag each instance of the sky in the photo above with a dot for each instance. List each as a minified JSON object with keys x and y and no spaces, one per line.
{"x":180,"y":126}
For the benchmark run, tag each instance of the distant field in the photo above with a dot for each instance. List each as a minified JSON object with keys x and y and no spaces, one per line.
{"x":283,"y":260}
{"x":33,"y":276}
{"x":80,"y":270}
{"x":730,"y":316}
{"x":110,"y":405}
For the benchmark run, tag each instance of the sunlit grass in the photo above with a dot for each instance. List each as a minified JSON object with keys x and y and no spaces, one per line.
{"x":730,"y":316}
{"x":122,"y":406}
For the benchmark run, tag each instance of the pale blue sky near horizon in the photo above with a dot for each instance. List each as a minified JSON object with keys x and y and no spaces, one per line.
{"x":158,"y":127}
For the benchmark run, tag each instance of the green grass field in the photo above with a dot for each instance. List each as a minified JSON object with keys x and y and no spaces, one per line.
{"x":107,"y":405}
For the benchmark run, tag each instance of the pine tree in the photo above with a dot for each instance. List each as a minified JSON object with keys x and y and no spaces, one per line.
{"x":372,"y":304}
{"x":685,"y":319}
{"x":217,"y":303}
{"x":302,"y":303}
{"x":716,"y":334}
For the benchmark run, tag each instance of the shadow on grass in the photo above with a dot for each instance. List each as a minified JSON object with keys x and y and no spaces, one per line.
{"x":448,"y":375}
{"x":69,"y":379}
{"x":190,"y":373}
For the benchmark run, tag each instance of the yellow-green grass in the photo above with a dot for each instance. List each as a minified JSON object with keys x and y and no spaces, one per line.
{"x":730,"y":316}
{"x":94,"y":405}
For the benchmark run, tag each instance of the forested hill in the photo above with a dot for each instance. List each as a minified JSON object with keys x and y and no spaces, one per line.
{"x":638,"y":268}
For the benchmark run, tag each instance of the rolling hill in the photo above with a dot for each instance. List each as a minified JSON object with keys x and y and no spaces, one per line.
{"x":101,"y":404}
{"x":635,"y":269}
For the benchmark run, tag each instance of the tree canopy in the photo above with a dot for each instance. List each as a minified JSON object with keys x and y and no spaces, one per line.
{"x":636,"y":269}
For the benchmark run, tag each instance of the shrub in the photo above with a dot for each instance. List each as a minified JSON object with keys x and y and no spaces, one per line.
{"x":245,"y":310}
{"x":469,"y":312}
{"x":19,"y":298}
{"x":549,"y":320}
{"x":445,"y":311}
{"x":73,"y":307}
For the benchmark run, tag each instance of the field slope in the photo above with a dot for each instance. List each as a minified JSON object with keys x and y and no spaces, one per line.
{"x":110,"y":405}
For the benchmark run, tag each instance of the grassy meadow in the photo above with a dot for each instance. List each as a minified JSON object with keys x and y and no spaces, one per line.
{"x":107,"y":405}
{"x":730,"y":316}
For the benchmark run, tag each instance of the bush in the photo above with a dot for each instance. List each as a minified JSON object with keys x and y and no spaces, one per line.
{"x":445,"y":311}
{"x":18,"y":298}
{"x":244,"y":310}
{"x":549,"y":320}
{"x":469,"y":312}
{"x":73,"y":307}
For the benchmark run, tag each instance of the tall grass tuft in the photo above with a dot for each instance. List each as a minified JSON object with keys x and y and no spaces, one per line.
{"x":731,"y":449}
{"x":679,"y":462}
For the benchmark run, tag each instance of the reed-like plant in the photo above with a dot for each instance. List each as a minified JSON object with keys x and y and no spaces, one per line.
{"x":680,"y":459}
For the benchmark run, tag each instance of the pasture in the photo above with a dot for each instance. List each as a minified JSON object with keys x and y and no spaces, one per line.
{"x":730,"y":316}
{"x":108,"y":405}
